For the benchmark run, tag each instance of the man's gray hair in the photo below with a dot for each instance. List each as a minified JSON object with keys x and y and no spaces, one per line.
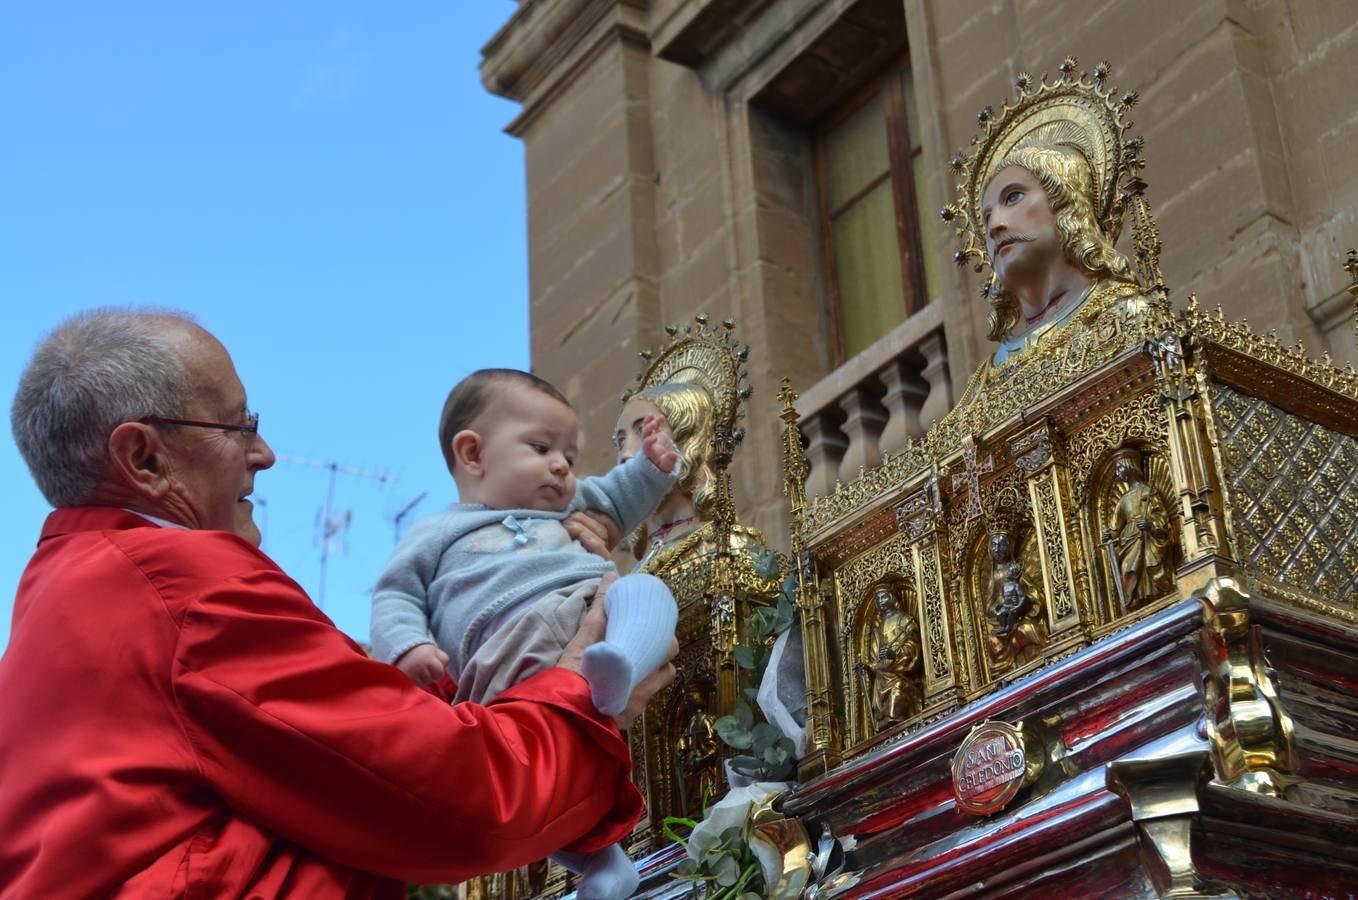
{"x":95,"y":371}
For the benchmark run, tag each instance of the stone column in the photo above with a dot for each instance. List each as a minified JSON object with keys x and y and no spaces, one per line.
{"x":863,"y":422}
{"x":904,"y":398}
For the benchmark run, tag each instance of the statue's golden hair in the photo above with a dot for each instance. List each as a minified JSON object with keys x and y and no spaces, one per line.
{"x":692,"y":419}
{"x":1068,"y":183}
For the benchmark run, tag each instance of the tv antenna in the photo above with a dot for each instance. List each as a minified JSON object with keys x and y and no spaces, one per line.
{"x":331,"y":526}
{"x":405,"y":511}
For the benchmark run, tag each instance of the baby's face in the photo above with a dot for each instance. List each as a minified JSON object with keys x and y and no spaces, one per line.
{"x":529,"y":451}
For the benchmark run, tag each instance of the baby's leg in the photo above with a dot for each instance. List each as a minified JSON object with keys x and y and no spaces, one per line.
{"x":606,"y":874}
{"x":641,"y":618}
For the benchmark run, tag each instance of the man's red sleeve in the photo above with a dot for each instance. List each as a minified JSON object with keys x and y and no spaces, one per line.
{"x":346,"y":756}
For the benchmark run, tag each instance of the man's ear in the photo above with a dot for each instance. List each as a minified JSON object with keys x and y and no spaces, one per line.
{"x":468,"y":451}
{"x":137,"y":459}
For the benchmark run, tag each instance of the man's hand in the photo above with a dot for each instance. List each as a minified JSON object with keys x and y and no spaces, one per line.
{"x":591,"y":632}
{"x":595,"y":531}
{"x":658,"y":443}
{"x":652,"y":685}
{"x":423,"y":663}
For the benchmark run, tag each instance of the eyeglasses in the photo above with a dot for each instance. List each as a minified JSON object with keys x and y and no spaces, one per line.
{"x":250,"y":428}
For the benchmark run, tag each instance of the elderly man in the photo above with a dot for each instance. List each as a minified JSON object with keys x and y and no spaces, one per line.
{"x":180,"y":720}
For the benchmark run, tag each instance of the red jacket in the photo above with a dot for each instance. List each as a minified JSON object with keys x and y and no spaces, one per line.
{"x":178,"y":720}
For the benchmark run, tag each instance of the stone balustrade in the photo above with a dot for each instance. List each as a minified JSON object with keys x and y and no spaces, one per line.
{"x":868,"y":407}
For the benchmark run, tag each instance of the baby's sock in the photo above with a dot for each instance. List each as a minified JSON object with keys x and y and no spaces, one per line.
{"x":641,"y":618}
{"x":604,"y":875}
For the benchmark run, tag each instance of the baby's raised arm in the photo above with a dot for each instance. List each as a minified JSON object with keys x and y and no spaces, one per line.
{"x":630,"y":491}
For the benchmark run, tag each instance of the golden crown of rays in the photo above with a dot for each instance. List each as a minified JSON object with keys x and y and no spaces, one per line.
{"x":1077,"y":112}
{"x":708,"y":356}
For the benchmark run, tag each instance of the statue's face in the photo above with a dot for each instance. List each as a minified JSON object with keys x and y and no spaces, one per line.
{"x":999,"y":547}
{"x":1019,"y":225}
{"x":627,"y":432}
{"x":883,"y":599}
{"x":1123,"y":470}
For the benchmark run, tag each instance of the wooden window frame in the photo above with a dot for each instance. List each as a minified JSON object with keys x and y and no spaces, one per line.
{"x":900,"y":170}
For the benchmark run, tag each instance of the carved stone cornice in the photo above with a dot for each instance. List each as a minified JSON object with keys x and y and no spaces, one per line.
{"x":546,"y":44}
{"x":697,"y":29}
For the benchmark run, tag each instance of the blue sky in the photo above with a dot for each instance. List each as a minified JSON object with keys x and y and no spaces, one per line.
{"x":326,"y":185}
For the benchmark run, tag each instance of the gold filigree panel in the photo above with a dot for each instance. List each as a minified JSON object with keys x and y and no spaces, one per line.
{"x":1294,"y":494}
{"x":889,"y":560}
{"x":1138,"y":420}
{"x":1052,"y":538}
{"x":893,"y":473}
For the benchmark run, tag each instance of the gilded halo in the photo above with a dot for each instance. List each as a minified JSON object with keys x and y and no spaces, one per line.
{"x":710,"y":357}
{"x":1076,"y":112}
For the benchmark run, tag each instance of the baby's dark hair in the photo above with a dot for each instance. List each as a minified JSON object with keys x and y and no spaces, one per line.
{"x":470,"y":396}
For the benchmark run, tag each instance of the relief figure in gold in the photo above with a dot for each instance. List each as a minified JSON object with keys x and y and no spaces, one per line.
{"x":697,"y":751}
{"x":1141,"y":535}
{"x":892,"y":657}
{"x":1017,"y":629}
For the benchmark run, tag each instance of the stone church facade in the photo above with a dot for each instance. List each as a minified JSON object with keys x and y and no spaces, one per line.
{"x":782,"y":162}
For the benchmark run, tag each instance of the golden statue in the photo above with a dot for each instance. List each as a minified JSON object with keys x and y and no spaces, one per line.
{"x":1017,"y":633}
{"x":660,"y":543}
{"x":697,"y":751}
{"x":1042,"y":203}
{"x":716,"y":567}
{"x":1218,"y":467}
{"x":893,"y":654}
{"x":696,"y":383}
{"x":1141,"y":535}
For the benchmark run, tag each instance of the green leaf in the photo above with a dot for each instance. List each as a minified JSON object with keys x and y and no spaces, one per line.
{"x":688,"y":867}
{"x":744,"y":715}
{"x":765,"y":563}
{"x":668,"y":827}
{"x":763,"y":620}
{"x":744,"y":656}
{"x":765,"y":734}
{"x":748,"y":765}
{"x":728,"y":728}
{"x":775,"y":755}
{"x":727,"y":871}
{"x":751,"y":694}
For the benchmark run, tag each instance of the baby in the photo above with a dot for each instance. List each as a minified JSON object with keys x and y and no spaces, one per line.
{"x":500,"y":584}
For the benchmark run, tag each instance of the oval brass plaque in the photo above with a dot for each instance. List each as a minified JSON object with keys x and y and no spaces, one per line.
{"x":988,"y":769}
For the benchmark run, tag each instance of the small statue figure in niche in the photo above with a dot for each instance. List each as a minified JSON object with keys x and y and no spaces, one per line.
{"x":1011,"y":600}
{"x":696,"y":751}
{"x":1017,"y":629}
{"x":892,"y":656}
{"x":1140,"y":535}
